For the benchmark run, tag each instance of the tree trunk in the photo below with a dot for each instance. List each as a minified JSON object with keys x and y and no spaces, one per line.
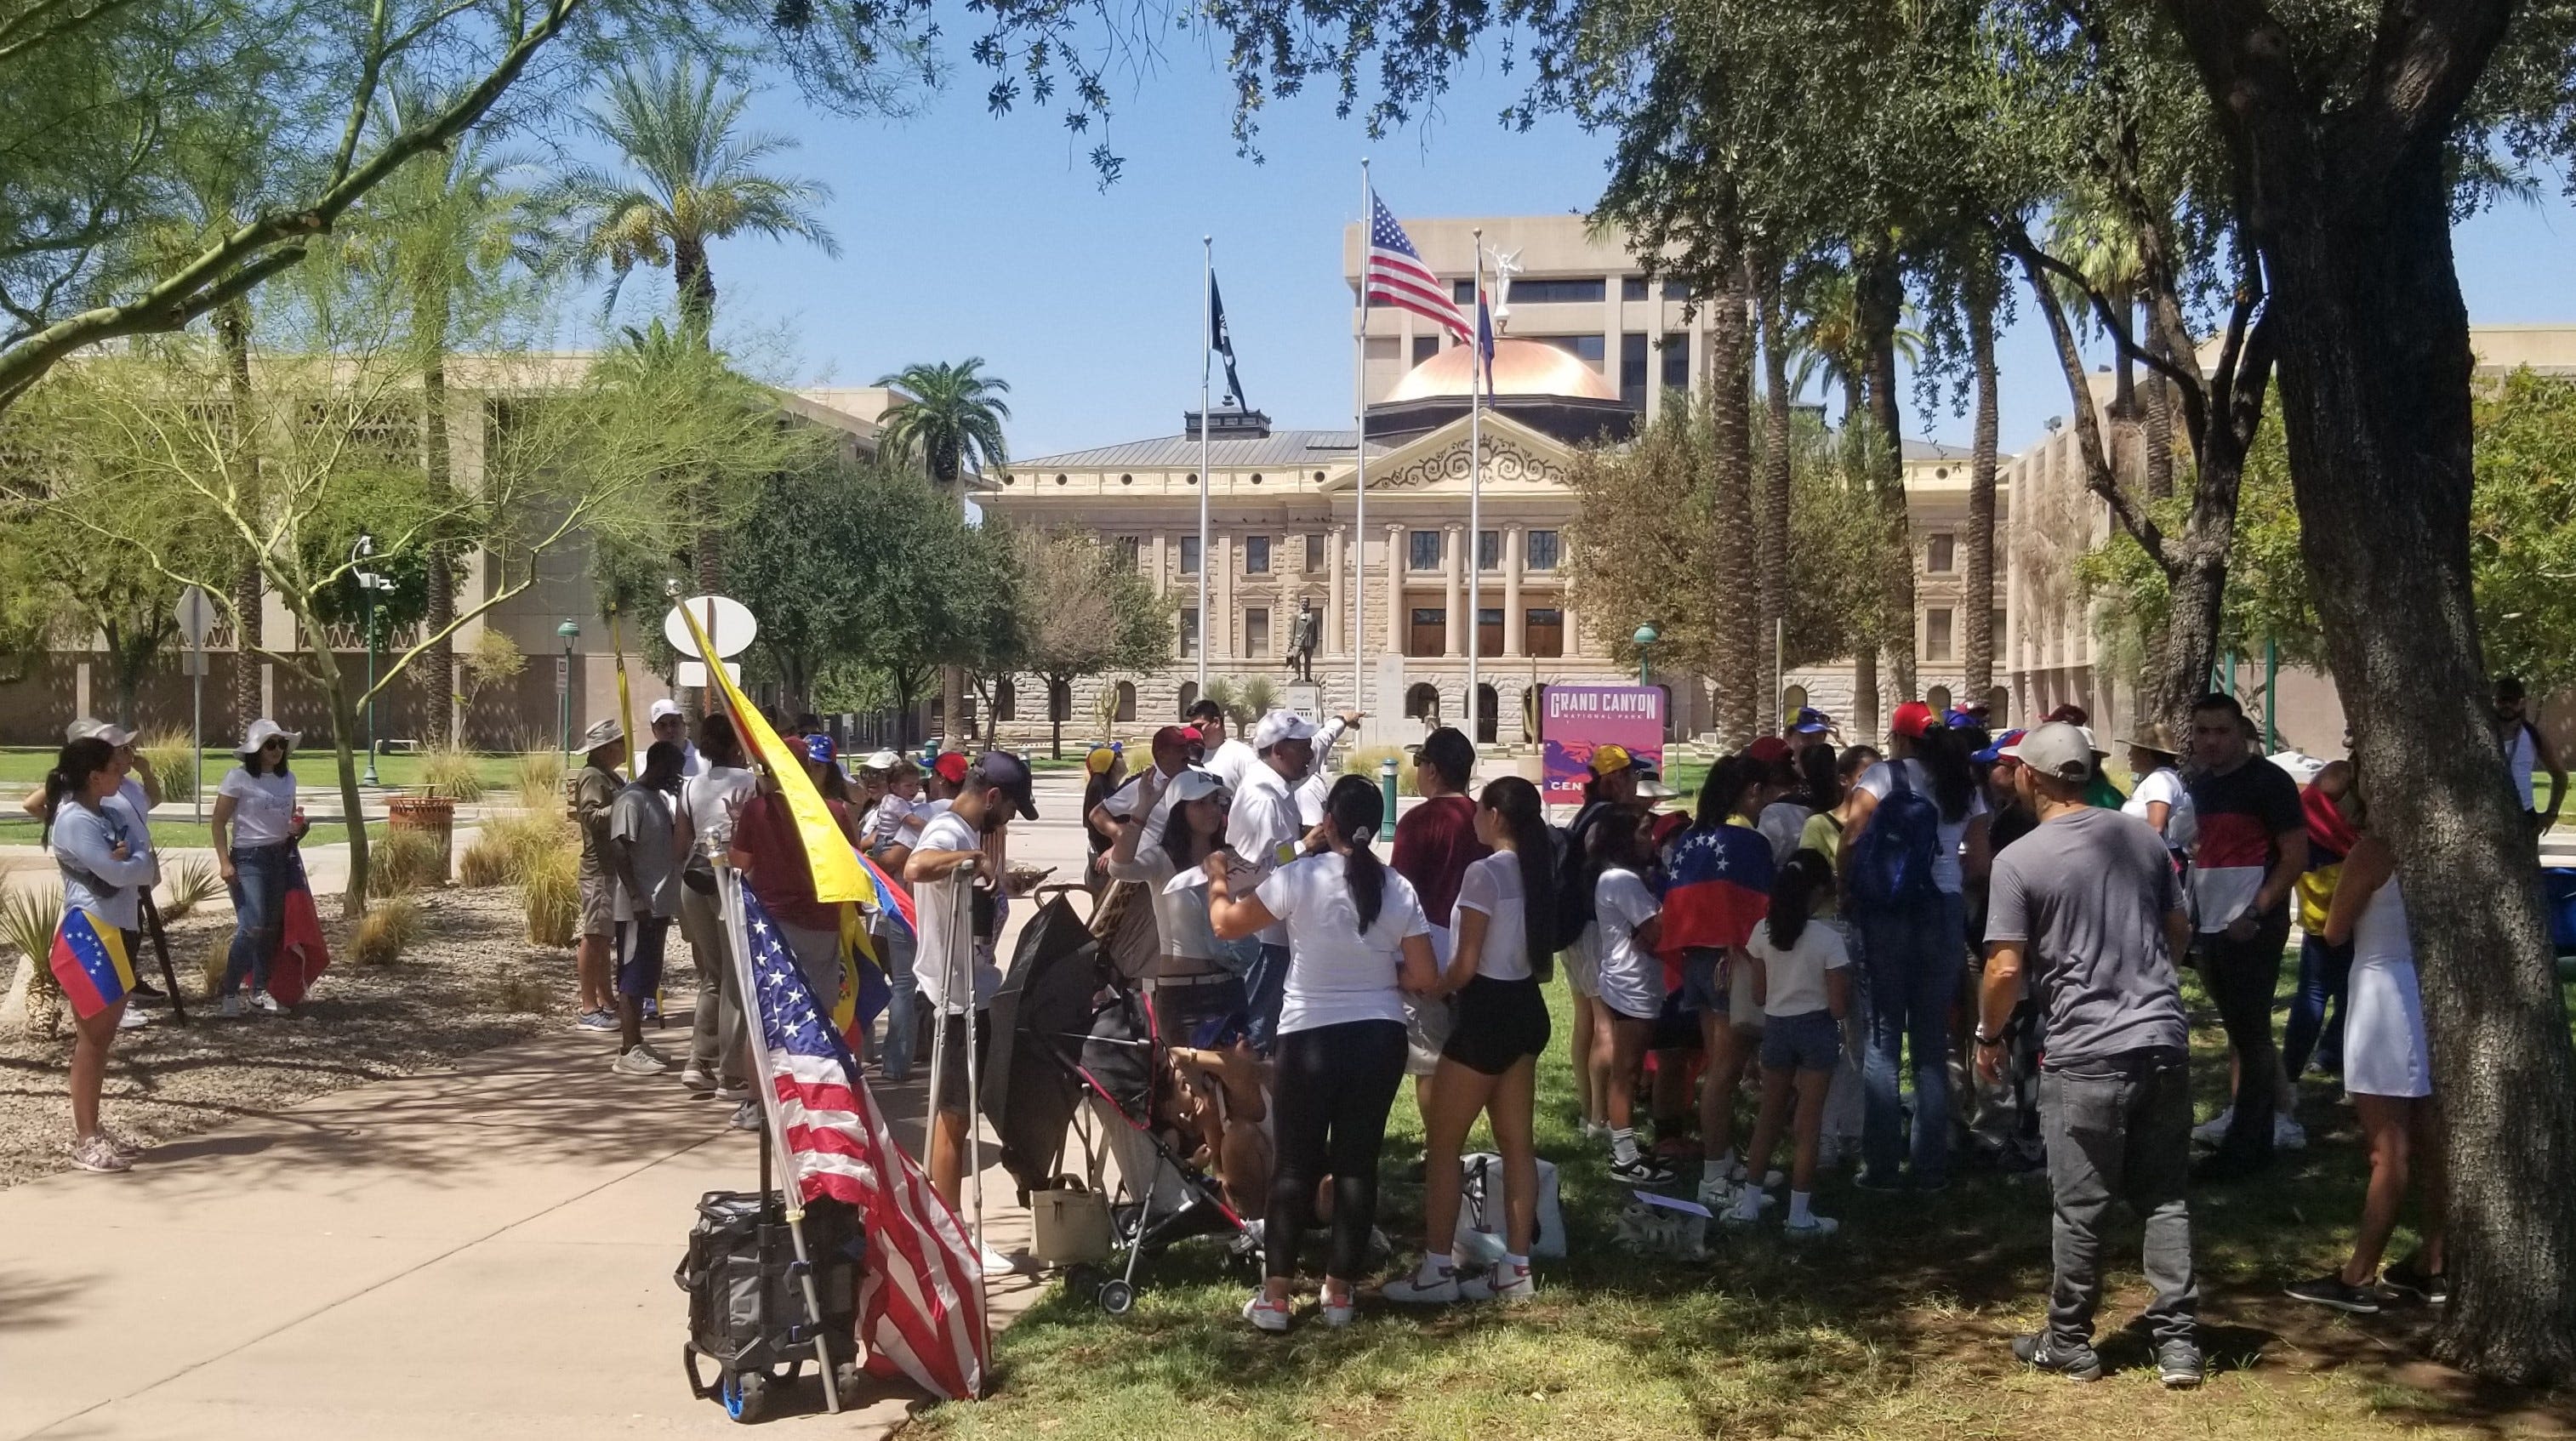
{"x":1730,"y":400}
{"x":1771,"y":539}
{"x":1852,"y":408}
{"x":697,"y":286}
{"x":2375,"y":374}
{"x":440,"y":607}
{"x":2124,"y":373}
{"x":232,"y":332}
{"x":2160,"y":426}
{"x":1979,"y":601}
{"x":1880,"y":299}
{"x":1863,"y":729}
{"x":344,"y":731}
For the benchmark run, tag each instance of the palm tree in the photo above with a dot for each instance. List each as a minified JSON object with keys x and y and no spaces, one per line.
{"x":691,"y":177}
{"x":952,"y":421}
{"x":450,"y":226}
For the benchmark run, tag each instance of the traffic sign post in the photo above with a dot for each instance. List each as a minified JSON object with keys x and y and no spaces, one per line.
{"x":197,"y":617}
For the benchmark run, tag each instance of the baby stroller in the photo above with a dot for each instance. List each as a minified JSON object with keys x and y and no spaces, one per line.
{"x":1067,"y":1026}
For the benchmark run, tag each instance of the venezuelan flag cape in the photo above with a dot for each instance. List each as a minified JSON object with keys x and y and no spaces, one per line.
{"x":891,"y":898}
{"x":89,"y":961}
{"x":1717,"y":887}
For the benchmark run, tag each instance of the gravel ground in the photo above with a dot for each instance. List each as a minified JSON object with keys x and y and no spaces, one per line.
{"x":440,"y":1000}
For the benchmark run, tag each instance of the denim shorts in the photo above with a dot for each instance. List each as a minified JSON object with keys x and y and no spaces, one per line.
{"x":1810,"y":1041}
{"x":1700,"y":989}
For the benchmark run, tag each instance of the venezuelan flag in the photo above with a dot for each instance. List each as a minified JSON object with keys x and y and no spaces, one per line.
{"x":835,"y":866}
{"x":1717,"y":887}
{"x":90,"y":961}
{"x":891,"y":898}
{"x":865,"y":991}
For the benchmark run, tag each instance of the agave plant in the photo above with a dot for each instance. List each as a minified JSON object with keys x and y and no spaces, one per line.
{"x":27,"y":920}
{"x":190,"y":883}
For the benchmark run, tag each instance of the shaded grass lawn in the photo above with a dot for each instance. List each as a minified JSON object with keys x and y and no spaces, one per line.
{"x":1894,"y":1328}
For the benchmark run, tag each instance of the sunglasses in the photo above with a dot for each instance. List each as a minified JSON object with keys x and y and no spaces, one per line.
{"x":267,"y":746}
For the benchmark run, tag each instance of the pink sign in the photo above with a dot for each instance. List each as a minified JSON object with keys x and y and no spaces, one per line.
{"x":1576,"y":720}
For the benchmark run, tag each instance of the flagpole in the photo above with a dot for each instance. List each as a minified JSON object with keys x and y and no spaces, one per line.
{"x":774,"y":1118}
{"x":1207,"y":332}
{"x":1359,"y":482}
{"x":1475,"y":499}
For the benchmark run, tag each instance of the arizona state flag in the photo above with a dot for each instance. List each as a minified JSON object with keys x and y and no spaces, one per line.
{"x":90,"y":961}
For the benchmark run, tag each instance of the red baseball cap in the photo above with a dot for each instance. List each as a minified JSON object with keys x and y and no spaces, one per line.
{"x":951,"y":767}
{"x":1770,"y":750}
{"x":1912,"y":719}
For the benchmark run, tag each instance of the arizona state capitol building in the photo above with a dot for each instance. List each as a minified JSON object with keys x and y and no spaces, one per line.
{"x":1592,"y":348}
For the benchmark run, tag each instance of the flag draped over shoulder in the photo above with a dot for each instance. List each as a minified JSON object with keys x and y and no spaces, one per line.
{"x":1717,"y":887}
{"x":918,"y":1288}
{"x":835,"y":866}
{"x":89,"y":961}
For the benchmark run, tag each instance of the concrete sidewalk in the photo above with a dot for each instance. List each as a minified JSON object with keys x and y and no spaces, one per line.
{"x":485,"y":1251}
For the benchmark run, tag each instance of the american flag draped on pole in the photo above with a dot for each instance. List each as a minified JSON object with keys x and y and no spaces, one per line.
{"x":1395,"y":274}
{"x":918,"y":1289}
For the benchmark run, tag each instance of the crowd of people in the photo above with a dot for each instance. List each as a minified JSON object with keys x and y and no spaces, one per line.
{"x":1965,"y":946}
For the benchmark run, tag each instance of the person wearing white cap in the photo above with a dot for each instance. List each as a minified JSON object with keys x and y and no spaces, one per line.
{"x":2088,"y":902}
{"x":135,"y":797}
{"x":668,"y":723}
{"x":1265,"y":827}
{"x":256,"y":825}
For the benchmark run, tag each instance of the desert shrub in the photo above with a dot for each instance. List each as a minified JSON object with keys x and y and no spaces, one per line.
{"x":485,"y":861}
{"x":1365,"y":760}
{"x":550,"y":888}
{"x":402,"y":862}
{"x":27,"y":919}
{"x":173,"y":755}
{"x":190,"y":883}
{"x":525,"y":838}
{"x":538,"y":777}
{"x":451,"y":773}
{"x":518,"y":989}
{"x":385,"y":930}
{"x":210,"y":970}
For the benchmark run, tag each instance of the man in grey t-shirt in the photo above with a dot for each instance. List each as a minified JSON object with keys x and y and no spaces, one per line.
{"x":644,"y":871}
{"x":2088,"y":901}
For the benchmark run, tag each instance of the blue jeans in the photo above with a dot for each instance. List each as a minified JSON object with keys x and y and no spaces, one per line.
{"x":1912,"y":955}
{"x":903,"y":1028}
{"x":2323,"y":971}
{"x":1266,"y":991}
{"x":258,"y":889}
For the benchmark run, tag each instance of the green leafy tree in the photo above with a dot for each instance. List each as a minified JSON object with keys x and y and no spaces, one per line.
{"x":950,"y":422}
{"x":1081,"y":613}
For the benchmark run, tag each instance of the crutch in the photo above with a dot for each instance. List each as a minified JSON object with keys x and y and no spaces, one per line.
{"x":961,"y":974}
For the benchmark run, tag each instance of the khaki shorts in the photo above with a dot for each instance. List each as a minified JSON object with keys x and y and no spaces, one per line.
{"x":598,"y":913}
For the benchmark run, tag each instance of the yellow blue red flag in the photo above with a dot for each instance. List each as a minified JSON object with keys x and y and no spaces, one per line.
{"x":837,"y":876}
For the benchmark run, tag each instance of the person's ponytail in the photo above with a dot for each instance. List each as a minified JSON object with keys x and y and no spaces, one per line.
{"x":69,"y":777}
{"x":1793,"y":896}
{"x":1355,"y":811}
{"x":1517,"y":802}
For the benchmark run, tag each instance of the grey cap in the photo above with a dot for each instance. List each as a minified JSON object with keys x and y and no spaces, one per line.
{"x":88,"y":729}
{"x":606,"y":732}
{"x":2055,"y":749}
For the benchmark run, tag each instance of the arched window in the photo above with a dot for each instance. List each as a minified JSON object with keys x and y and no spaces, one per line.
{"x":1793,"y":699}
{"x":1487,"y":702}
{"x":1188,"y":697}
{"x":1006,"y":700}
{"x":1530,"y":698}
{"x":1938,"y":697}
{"x":1422,"y":702}
{"x":1126,"y":701}
{"x":1999,"y":702}
{"x":1059,"y":701}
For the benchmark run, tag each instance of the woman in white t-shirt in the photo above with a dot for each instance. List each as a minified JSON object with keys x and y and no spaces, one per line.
{"x":1193,"y":992}
{"x":2161,"y":799}
{"x":1502,"y":949}
{"x":1627,"y":926}
{"x":1357,"y":941}
{"x":701,"y":830}
{"x":256,"y":826}
{"x":1801,"y":972}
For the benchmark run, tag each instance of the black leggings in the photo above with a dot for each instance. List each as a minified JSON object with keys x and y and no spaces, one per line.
{"x":1335,"y":1085}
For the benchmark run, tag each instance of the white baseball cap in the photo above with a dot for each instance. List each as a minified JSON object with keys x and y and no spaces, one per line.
{"x":88,"y":729}
{"x":661,"y":708}
{"x":1280,"y":726}
{"x":2055,"y":749}
{"x":1198,"y":784}
{"x":881,"y":760}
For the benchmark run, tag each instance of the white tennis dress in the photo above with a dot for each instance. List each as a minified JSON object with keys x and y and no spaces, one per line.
{"x":2383,"y":1033}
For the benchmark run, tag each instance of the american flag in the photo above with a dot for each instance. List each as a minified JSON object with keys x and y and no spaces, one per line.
{"x":918,"y":1287}
{"x":1395,"y":273}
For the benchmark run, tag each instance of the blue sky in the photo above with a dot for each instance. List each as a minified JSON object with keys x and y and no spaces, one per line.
{"x":963,"y":234}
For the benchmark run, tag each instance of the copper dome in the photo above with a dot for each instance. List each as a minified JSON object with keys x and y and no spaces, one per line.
{"x":1521,"y":367}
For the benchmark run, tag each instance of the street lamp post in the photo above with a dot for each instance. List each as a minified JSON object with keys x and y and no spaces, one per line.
{"x":570,"y":630}
{"x":1645,"y":639}
{"x":368,"y":582}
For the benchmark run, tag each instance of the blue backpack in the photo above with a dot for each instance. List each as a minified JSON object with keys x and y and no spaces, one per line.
{"x":1892,"y":865}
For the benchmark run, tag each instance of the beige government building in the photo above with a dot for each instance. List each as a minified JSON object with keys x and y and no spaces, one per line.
{"x":1591,"y":349}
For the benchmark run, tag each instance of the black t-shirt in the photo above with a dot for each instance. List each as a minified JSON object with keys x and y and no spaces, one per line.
{"x":2009,"y":825}
{"x":2241,"y":815}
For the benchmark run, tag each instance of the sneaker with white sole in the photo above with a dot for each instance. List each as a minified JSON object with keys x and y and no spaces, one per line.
{"x":230,"y":1010}
{"x":994,"y":1262}
{"x":1264,"y":1315}
{"x":1413,"y":1290}
{"x":1510,"y":1285}
{"x":639,"y":1061}
{"x":1595,"y":1131}
{"x":1816,"y":1228}
{"x":597,"y":1021}
{"x":736,"y":1092}
{"x":2288,"y":1134}
{"x":697,"y":1080}
{"x":1643,"y":1171}
{"x":263,"y":1002}
{"x":97,"y":1153}
{"x":126,"y":1146}
{"x":746,"y":1117}
{"x":1339,"y":1316}
{"x":2214,"y":1130}
{"x":132,"y":1020}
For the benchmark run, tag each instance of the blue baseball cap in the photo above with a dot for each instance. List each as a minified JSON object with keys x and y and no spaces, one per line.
{"x":819,"y":748}
{"x":1995,"y":752}
{"x":1812,"y":721}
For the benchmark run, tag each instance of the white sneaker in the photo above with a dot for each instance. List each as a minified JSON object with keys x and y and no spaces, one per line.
{"x":697,"y":1079}
{"x":2214,"y":1130}
{"x":746,"y":1117}
{"x":994,"y":1262}
{"x":733,"y":1093}
{"x":1339,"y":1316}
{"x":1265,"y":1316}
{"x":263,"y":1001}
{"x":2288,"y":1134}
{"x":1817,"y":1228}
{"x":1492,"y":1284}
{"x":1717,"y":1194}
{"x":230,"y":1010}
{"x":639,"y":1061}
{"x":1412,"y":1290}
{"x":132,"y":1020}
{"x":97,"y":1153}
